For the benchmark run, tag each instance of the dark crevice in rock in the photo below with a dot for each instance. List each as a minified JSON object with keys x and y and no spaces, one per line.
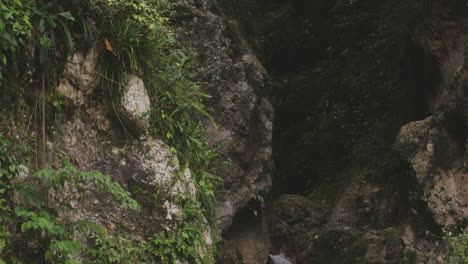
{"x":247,"y":239}
{"x":422,"y":216}
{"x":421,"y":77}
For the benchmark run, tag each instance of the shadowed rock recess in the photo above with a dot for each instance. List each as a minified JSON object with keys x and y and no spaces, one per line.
{"x":340,"y":129}
{"x":369,"y":139}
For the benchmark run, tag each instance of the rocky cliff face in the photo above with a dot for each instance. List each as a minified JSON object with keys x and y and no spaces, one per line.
{"x":241,"y":132}
{"x":383,"y":216}
{"x":437,"y":146}
{"x":145,"y":166}
{"x":373,"y":215}
{"x":235,"y":79}
{"x":384,"y":213}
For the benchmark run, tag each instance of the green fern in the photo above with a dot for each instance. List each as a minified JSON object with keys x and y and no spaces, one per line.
{"x":39,"y":208}
{"x":56,"y":181}
{"x":40,"y":215}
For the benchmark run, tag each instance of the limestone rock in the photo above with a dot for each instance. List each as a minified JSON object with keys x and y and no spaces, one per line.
{"x":359,"y":227}
{"x":439,"y":163}
{"x":242,"y":112}
{"x":135,"y":102}
{"x":80,"y":77}
{"x":436,"y":147}
{"x":159,"y":168}
{"x":147,"y":168}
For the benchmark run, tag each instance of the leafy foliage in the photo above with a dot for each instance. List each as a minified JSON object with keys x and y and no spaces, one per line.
{"x":119,"y":249}
{"x":41,"y":199}
{"x":53,"y":29}
{"x":10,"y":167}
{"x":459,"y":244}
{"x":36,"y":39}
{"x":142,"y":43}
{"x":186,"y":241}
{"x":176,"y":244}
{"x":71,"y":178}
{"x":15,"y":25}
{"x":42,"y":207}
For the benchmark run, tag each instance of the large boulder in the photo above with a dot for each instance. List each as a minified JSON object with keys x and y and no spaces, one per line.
{"x":439,"y":165}
{"x":437,"y":147}
{"x":135,"y":103}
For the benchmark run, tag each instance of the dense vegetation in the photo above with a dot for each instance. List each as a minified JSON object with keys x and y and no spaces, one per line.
{"x":36,"y":38}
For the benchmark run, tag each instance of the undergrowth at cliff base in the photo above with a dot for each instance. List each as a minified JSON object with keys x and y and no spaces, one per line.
{"x":33,"y":208}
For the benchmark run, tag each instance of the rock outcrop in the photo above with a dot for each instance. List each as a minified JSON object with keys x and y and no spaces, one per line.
{"x":366,"y":224}
{"x":388,"y":215}
{"x":146,"y":167}
{"x":374,"y":216}
{"x":80,"y":77}
{"x":437,"y":147}
{"x":235,"y":79}
{"x":135,"y":104}
{"x":439,"y":163}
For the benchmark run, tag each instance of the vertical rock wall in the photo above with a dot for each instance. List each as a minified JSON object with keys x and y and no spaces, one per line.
{"x":90,"y":142}
{"x":241,"y":133}
{"x":437,"y":147}
{"x":378,"y":217}
{"x":382,"y":214}
{"x":235,"y":79}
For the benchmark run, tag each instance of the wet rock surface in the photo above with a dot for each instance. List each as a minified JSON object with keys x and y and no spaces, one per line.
{"x":278,"y":259}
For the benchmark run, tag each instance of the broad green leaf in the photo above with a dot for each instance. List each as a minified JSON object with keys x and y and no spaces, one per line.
{"x":51,"y":22}
{"x":67,"y":15}
{"x":68,"y":37}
